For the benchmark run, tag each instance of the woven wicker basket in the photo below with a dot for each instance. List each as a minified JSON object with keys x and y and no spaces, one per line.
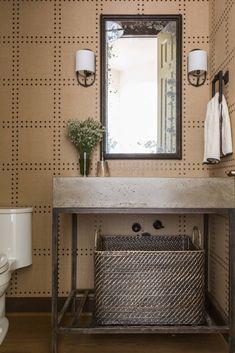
{"x":148,"y":280}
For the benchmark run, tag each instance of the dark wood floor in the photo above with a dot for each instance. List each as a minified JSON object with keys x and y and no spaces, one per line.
{"x":32,"y":334}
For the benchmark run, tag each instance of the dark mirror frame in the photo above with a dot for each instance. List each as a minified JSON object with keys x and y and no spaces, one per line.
{"x":103,"y":96}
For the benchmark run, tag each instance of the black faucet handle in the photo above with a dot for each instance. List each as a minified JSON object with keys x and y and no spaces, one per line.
{"x":136,"y":227}
{"x":158,"y":224}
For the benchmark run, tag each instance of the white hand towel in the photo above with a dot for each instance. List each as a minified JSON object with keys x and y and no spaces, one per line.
{"x":212,"y":132}
{"x":217,"y":131}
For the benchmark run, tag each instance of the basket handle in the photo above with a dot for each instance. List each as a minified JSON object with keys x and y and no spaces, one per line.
{"x":97,"y":238}
{"x":199,"y":236}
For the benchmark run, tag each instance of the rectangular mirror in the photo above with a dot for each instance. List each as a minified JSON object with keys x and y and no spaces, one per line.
{"x":141,"y":86}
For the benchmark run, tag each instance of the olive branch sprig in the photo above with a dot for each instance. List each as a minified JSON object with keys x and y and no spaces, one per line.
{"x":85,"y":134}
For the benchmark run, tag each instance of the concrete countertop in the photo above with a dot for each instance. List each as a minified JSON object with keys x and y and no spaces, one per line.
{"x":140,"y":192}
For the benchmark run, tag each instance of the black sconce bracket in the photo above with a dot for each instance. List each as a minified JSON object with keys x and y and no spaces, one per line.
{"x":83,"y":80}
{"x":198,"y":77}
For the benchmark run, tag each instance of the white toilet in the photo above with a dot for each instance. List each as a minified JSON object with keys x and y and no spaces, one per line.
{"x":15,"y":251}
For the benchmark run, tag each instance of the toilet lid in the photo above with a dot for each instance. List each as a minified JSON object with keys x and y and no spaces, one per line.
{"x":4,"y":265}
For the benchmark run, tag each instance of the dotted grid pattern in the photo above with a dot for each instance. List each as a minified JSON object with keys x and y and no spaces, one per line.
{"x":39,"y":93}
{"x":219,"y":260}
{"x":222,"y":54}
{"x":115,"y":225}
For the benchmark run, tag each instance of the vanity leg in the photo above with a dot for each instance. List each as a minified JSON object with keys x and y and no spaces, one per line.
{"x":54,"y":281}
{"x":232,"y":280}
{"x":54,"y":342}
{"x":205,"y":246}
{"x":74,"y":260}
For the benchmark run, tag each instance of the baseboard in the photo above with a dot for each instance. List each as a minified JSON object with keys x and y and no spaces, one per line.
{"x":28,"y":304}
{"x":38,"y":304}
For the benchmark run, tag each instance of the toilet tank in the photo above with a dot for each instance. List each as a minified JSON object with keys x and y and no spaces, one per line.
{"x":16,"y":235}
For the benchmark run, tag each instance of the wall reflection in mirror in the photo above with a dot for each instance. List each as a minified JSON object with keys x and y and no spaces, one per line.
{"x":140,"y":86}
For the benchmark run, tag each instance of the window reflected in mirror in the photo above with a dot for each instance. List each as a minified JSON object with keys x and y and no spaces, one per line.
{"x":141,"y":86}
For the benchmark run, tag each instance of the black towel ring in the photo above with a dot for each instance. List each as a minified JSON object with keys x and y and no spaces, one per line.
{"x":221,"y":78}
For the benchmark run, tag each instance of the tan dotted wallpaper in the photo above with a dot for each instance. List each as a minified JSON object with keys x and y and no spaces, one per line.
{"x":39,"y":93}
{"x":222,"y":57}
{"x":222,"y":54}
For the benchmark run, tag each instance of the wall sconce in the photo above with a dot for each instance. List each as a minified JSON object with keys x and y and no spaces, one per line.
{"x":85,"y":67}
{"x":197,"y":67}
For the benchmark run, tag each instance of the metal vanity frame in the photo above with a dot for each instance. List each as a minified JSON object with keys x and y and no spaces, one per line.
{"x":215,"y":320}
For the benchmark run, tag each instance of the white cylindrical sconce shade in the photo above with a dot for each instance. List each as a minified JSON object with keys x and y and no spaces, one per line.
{"x":197,"y":60}
{"x":197,"y":67}
{"x":85,"y":61}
